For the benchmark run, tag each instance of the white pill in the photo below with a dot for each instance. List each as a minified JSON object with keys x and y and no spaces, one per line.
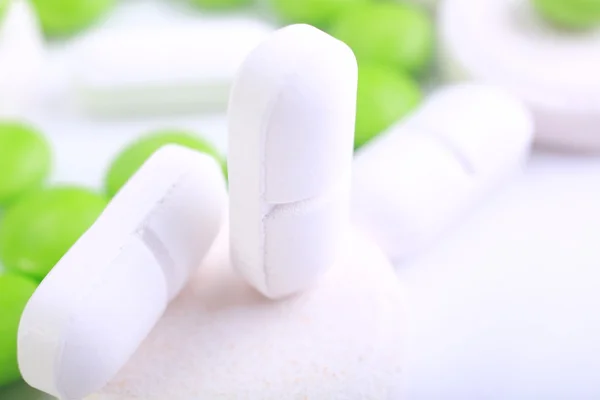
{"x":22,"y":58}
{"x":418,"y":178}
{"x":291,"y":118}
{"x":174,"y":68}
{"x":105,"y":295}
{"x":553,"y":71}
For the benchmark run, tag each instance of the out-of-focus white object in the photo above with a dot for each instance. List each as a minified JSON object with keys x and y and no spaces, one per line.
{"x":555,"y":72}
{"x":418,"y":178}
{"x":165,"y":68}
{"x":291,"y":137}
{"x":101,"y":300}
{"x":343,"y":339}
{"x":22,"y":57}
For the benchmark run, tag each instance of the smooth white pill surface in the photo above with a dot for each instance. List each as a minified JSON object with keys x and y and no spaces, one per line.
{"x":221,"y":339}
{"x":22,"y":58}
{"x":418,"y":178}
{"x":291,"y":117}
{"x":555,"y":72}
{"x":176,"y":68}
{"x":105,"y":295}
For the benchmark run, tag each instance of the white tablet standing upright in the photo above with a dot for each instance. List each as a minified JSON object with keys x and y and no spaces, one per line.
{"x":96,"y":306}
{"x":291,"y":130}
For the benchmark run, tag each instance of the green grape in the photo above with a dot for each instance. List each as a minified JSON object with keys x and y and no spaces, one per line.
{"x":38,"y":230}
{"x":65,"y":17}
{"x":395,"y":34}
{"x":25,"y":160}
{"x":222,"y":4}
{"x":319,"y":13}
{"x":571,"y":14}
{"x":15,"y":292}
{"x":384,"y":96}
{"x":132,"y":158}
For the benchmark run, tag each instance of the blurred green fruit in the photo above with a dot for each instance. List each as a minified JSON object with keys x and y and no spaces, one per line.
{"x":319,"y":13}
{"x":222,"y":4}
{"x":15,"y":292}
{"x":3,"y":8}
{"x":38,"y":230}
{"x":384,"y":96}
{"x":572,"y":14}
{"x":65,"y":17}
{"x":395,"y":34}
{"x":132,"y":158}
{"x":25,"y":160}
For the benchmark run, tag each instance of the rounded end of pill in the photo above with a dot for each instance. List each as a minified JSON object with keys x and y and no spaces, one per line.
{"x":79,"y":329}
{"x":291,"y":113}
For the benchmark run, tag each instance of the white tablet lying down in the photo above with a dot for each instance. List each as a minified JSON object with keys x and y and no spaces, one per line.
{"x":417,"y":179}
{"x":105,"y":295}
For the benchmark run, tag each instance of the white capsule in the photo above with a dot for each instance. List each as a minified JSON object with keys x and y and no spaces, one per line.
{"x":291,"y":118}
{"x":22,"y":58}
{"x":555,"y":72}
{"x":176,"y":68}
{"x":104,"y":296}
{"x":418,"y":178}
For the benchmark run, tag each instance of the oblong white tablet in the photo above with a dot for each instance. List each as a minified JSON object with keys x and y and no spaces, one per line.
{"x":104,"y":296}
{"x":175,"y":68}
{"x":291,"y":116}
{"x":415,"y":180}
{"x":554,"y":72}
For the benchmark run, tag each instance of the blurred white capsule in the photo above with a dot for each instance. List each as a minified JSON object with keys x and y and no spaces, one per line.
{"x":21,"y":58}
{"x":414,"y":181}
{"x":187,"y":67}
